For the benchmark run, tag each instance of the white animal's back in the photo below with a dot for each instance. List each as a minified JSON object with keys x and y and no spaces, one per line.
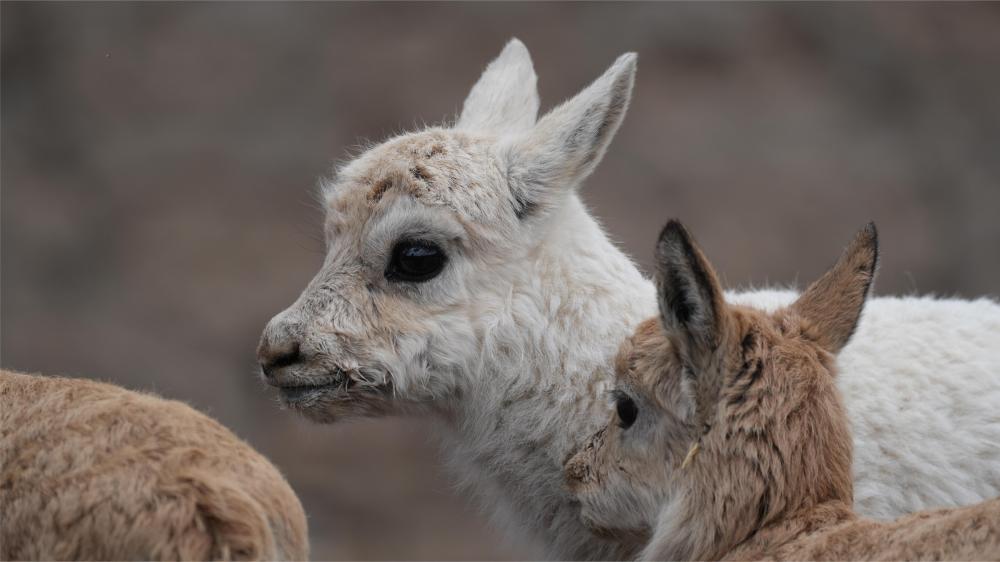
{"x":921,"y":382}
{"x":922,"y":386}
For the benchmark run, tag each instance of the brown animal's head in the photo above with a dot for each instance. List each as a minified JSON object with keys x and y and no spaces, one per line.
{"x":726,"y":417}
{"x":429,"y":237}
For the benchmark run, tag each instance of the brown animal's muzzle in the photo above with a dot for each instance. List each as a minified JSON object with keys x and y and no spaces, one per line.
{"x":578,"y":469}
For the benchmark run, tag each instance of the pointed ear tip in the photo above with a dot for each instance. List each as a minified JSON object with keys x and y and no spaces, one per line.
{"x":515,"y":44}
{"x":626,"y":63}
{"x":872,"y":232}
{"x":673,"y":227}
{"x":513,"y":58}
{"x":868,"y":237}
{"x":863,"y":251}
{"x":630,"y":57}
{"x":672,"y":233}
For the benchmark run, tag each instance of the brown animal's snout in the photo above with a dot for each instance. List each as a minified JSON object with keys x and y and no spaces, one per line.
{"x":576,"y":471}
{"x":578,"y":468}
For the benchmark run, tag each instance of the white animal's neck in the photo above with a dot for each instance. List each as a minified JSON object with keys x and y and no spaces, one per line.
{"x":539,"y":389}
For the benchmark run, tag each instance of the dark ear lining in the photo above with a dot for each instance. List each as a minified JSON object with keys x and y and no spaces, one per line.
{"x":833,"y":304}
{"x":688,"y":291}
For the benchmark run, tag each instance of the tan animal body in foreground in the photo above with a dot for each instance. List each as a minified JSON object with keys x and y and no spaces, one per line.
{"x":730,"y":439}
{"x":91,"y":471}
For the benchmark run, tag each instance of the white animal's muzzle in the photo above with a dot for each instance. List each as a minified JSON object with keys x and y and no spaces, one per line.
{"x":288,"y":365}
{"x":316,"y":373}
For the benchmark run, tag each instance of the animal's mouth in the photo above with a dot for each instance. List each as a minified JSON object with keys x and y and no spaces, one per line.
{"x":303,"y":392}
{"x":294,"y":395}
{"x":337,"y":386}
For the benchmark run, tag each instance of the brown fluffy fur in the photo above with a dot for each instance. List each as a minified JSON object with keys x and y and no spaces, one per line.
{"x":91,"y":471}
{"x":771,"y":475}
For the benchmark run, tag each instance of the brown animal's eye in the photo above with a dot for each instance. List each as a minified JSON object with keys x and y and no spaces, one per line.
{"x":415,"y":261}
{"x":627,"y":410}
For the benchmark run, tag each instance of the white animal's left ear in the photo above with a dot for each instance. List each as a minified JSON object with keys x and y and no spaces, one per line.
{"x":505,"y":99}
{"x":566,"y":144}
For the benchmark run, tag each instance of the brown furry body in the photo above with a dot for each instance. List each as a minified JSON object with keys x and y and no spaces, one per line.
{"x":788,"y":489}
{"x":730,"y":439}
{"x":832,"y":532}
{"x":91,"y":471}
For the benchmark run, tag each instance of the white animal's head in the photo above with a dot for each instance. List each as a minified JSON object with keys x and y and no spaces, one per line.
{"x":420,"y":228}
{"x":726,"y":417}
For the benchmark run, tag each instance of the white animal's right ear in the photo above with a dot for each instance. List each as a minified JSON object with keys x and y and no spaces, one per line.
{"x":505,"y":99}
{"x":566,"y":144}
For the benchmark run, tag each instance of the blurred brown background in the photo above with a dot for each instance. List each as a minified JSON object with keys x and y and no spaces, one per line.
{"x":159,"y":164}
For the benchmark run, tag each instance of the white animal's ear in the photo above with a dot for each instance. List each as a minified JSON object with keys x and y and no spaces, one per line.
{"x":833,"y":304}
{"x":566,"y":144}
{"x":689,"y":293}
{"x":505,"y":99}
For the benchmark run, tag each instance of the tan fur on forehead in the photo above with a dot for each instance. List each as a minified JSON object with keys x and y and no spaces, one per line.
{"x":405,"y":164}
{"x":430,"y":166}
{"x":643,"y":357}
{"x":650,"y":359}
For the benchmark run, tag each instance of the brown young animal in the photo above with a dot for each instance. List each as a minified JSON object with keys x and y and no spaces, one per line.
{"x":91,"y":471}
{"x":730,"y":440}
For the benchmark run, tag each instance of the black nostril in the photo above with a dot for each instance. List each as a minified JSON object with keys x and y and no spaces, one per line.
{"x":281,"y":358}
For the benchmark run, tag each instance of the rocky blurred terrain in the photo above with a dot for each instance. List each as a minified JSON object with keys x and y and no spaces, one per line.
{"x":159,"y":162}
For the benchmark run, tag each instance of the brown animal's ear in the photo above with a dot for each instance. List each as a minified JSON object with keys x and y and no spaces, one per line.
{"x":691,"y":302}
{"x":833,"y":304}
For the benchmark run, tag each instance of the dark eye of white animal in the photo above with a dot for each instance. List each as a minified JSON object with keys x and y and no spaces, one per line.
{"x":627,"y":410}
{"x":415,"y":261}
